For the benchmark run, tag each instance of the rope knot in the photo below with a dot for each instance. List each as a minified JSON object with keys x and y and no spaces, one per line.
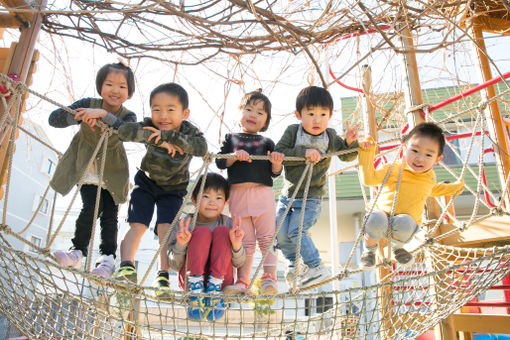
{"x":497,"y":211}
{"x":482,"y":106}
{"x":207,"y":157}
{"x":5,"y":228}
{"x":463,"y":227}
{"x":429,"y":241}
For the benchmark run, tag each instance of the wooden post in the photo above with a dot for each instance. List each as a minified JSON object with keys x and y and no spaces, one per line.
{"x":495,"y":123}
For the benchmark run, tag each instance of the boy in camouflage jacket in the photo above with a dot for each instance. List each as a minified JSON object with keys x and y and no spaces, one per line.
{"x":163,"y":175}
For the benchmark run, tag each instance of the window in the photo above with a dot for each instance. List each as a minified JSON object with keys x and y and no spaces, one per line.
{"x":318,"y":305}
{"x":48,"y":166}
{"x":45,"y":206}
{"x":37,"y":241}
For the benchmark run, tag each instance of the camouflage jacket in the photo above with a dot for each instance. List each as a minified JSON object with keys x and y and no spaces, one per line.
{"x":170,"y":173}
{"x":73,"y":163}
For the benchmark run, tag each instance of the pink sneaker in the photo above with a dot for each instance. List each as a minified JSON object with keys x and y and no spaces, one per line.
{"x":268,"y":284}
{"x":236,"y":289}
{"x":105,"y":266}
{"x":70,"y":258}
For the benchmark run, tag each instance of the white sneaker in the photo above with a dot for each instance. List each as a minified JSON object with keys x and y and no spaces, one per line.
{"x":298,"y":270}
{"x":314,"y":275}
{"x":105,"y":266}
{"x":70,"y":258}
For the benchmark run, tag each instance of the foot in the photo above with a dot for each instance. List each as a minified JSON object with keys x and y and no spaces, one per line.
{"x":403,"y":257}
{"x":238,"y":288}
{"x":71,"y":258}
{"x":196,"y":307}
{"x":294,"y":270}
{"x":162,"y":285}
{"x":127,"y":273}
{"x":268,"y":284}
{"x":215,"y":303}
{"x":105,"y":266}
{"x":367,"y":260}
{"x":313,"y":276}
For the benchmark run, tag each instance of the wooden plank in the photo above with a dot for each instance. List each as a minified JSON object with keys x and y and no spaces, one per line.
{"x":495,"y":229}
{"x":13,"y":4}
{"x":7,"y":20}
{"x":484,"y":323}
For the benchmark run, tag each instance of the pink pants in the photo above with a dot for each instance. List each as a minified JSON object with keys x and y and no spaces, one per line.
{"x":255,"y":204}
{"x":209,"y":253}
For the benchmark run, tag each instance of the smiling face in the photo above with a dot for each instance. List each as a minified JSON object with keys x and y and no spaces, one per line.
{"x":114,"y":90}
{"x":422,"y":153}
{"x":167,"y":111}
{"x":212,"y":203}
{"x":314,"y":119}
{"x":253,"y":117}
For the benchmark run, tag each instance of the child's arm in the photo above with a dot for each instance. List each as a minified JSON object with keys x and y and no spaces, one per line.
{"x":88,"y":115}
{"x":370,"y":176}
{"x":61,"y":118}
{"x":191,"y":140}
{"x":350,"y":142}
{"x":448,"y":189}
{"x":236,"y":235}
{"x":178,"y":245}
{"x":286,"y":144}
{"x":226,"y":148}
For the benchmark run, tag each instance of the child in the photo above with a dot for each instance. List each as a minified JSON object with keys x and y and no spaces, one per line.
{"x":162,"y":178}
{"x":423,"y":149}
{"x":211,"y":248}
{"x":115,"y":83}
{"x":311,"y":139}
{"x":251,"y":191}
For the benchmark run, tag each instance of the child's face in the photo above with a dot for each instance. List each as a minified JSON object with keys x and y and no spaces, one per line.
{"x":253,"y":117}
{"x":114,"y":91}
{"x":167,"y":111}
{"x":314,"y":119}
{"x":422,"y":153}
{"x":211,"y":205}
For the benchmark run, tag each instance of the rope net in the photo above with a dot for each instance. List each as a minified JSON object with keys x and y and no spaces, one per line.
{"x":45,"y":300}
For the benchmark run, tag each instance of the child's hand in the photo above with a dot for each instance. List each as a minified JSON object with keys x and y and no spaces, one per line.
{"x":351,"y":135}
{"x":236,"y":234}
{"x":171,"y":148}
{"x":89,"y":116}
{"x":242,"y":155}
{"x":276,"y":157}
{"x":313,"y":155}
{"x":367,"y":143}
{"x":156,"y":134}
{"x":183,"y":234}
{"x":461,"y":189}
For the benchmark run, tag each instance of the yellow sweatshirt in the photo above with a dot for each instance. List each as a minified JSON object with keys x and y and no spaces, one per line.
{"x":414,"y":187}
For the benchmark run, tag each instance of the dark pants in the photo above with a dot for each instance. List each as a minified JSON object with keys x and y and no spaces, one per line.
{"x":209,"y":253}
{"x":108,"y":221}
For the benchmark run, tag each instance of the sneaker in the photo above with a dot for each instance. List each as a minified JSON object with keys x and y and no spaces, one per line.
{"x":105,"y":266}
{"x":313,"y":276}
{"x":127,"y":273}
{"x":215,"y":303}
{"x":237,"y":288}
{"x":268,"y":284}
{"x":403,"y":257}
{"x":196,"y":308}
{"x":163,"y":291}
{"x":293,"y":271}
{"x":71,"y":258}
{"x":367,"y":260}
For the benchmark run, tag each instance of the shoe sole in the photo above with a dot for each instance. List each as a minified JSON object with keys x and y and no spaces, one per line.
{"x":312,"y":281}
{"x":233,"y":291}
{"x":269,"y":291}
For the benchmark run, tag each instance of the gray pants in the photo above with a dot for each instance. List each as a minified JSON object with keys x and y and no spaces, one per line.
{"x":403,"y":228}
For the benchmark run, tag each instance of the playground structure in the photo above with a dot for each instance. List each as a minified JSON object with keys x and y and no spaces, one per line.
{"x":65,"y":302}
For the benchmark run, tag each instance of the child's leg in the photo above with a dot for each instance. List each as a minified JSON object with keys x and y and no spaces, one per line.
{"x":198,"y":254}
{"x":109,"y":223}
{"x":244,"y":272}
{"x":84,"y":222}
{"x":404,"y":228}
{"x":129,"y":245}
{"x":376,"y":227}
{"x":284,"y":243}
{"x":264,"y":231}
{"x":221,"y":256}
{"x":161,"y":230}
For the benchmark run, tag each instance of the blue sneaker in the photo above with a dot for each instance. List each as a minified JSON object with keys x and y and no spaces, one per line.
{"x":216,"y":304}
{"x":196,"y":309}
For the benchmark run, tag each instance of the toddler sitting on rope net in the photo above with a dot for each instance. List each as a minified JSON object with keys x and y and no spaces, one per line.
{"x":205,"y":252}
{"x":406,"y":184}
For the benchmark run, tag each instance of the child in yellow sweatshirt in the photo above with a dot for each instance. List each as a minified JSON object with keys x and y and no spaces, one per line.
{"x":423,"y":149}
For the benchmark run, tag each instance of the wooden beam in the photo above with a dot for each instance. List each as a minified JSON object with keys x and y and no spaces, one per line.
{"x":494,"y":230}
{"x":484,"y":323}
{"x":11,"y":5}
{"x":8,"y":21}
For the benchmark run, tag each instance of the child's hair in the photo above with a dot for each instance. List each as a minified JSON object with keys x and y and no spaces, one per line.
{"x":117,"y":67}
{"x":213,"y":181}
{"x":314,"y":96}
{"x":252,"y":98}
{"x":429,"y":130}
{"x":174,"y":90}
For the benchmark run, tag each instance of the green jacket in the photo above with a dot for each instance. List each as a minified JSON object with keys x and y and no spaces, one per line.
{"x":170,"y":173}
{"x":73,"y":163}
{"x":294,"y":169}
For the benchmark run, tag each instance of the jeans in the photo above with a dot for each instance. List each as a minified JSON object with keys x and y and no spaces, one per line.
{"x":287,"y":237}
{"x":107,"y":214}
{"x":403,"y":228}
